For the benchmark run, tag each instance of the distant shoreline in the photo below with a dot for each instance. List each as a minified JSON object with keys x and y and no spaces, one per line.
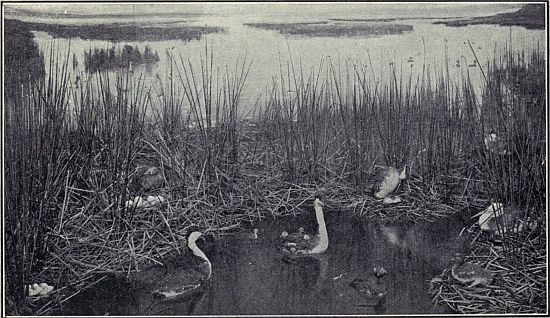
{"x":531,"y":17}
{"x":390,"y":19}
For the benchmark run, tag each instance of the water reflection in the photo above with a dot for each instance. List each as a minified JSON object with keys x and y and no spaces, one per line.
{"x":250,"y":276}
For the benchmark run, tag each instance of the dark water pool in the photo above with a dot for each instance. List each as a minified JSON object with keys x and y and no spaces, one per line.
{"x":250,"y":276}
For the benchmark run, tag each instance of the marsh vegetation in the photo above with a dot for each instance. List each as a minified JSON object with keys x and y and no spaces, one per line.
{"x":324,"y":28}
{"x":102,"y":59}
{"x":74,"y":156}
{"x":120,"y":32}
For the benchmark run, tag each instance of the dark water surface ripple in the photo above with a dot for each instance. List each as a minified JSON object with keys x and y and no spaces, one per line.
{"x":250,"y":276}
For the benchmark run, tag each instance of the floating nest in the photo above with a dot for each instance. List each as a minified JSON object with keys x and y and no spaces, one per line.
{"x":517,"y":263}
{"x":419,"y":202}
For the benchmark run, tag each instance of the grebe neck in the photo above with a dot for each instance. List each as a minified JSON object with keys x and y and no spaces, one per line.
{"x":320,"y":218}
{"x":322,"y":245}
{"x":197,"y":252}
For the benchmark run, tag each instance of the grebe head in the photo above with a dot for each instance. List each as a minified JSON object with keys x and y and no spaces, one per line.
{"x":301,"y":230}
{"x":318,"y":202}
{"x":193,"y":234}
{"x":193,"y":237}
{"x":457,"y":259}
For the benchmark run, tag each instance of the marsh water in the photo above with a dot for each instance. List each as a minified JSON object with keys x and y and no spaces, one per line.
{"x":428,"y":46}
{"x":250,"y":276}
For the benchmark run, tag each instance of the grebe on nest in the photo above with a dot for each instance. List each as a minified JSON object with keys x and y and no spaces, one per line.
{"x":469,"y":273}
{"x":385,"y":180}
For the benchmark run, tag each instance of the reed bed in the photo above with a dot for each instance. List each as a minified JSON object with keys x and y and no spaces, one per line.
{"x":513,"y":109}
{"x":519,"y":276}
{"x":321,"y":133}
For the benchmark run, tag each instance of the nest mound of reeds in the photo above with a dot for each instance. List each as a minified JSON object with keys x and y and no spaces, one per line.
{"x":518,"y":265}
{"x":419,"y":202}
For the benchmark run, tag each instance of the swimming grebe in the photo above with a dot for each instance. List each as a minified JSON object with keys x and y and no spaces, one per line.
{"x":185,"y":280}
{"x":373,"y":288}
{"x":303,"y":244}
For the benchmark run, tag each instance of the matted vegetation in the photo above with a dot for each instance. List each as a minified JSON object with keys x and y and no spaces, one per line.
{"x":334,"y":29}
{"x":118,"y":32}
{"x":74,"y":156}
{"x":519,"y":270}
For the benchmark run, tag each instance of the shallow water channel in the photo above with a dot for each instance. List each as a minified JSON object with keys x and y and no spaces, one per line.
{"x":250,"y":276}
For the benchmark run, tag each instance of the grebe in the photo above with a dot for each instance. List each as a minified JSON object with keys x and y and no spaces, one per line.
{"x":185,"y":280}
{"x":499,"y":219}
{"x":468,"y":273}
{"x":152,"y":178}
{"x":386,"y":179}
{"x":373,"y":288}
{"x":303,"y":244}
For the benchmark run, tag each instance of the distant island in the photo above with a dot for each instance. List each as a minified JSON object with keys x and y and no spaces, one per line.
{"x":530,"y":16}
{"x":323,"y":28}
{"x":119,"y":32}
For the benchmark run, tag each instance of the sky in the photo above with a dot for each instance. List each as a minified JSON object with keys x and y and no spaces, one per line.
{"x":226,"y":8}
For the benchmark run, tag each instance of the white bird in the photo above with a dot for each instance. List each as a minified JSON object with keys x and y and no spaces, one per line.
{"x":137,"y":202}
{"x":305,"y":244}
